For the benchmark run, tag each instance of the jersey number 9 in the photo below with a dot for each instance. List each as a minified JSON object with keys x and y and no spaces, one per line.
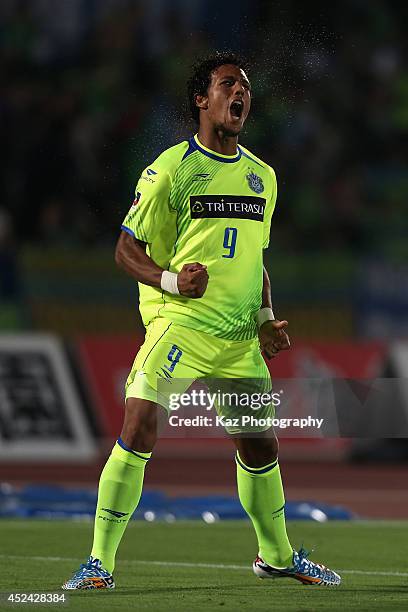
{"x":230,"y":241}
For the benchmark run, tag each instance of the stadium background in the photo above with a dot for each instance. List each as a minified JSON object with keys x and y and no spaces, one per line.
{"x":91,"y":93}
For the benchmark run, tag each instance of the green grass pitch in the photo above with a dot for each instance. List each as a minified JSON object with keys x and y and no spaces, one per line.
{"x":194,"y":566}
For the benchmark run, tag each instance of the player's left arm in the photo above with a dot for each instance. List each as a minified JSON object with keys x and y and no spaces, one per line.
{"x":272,"y":333}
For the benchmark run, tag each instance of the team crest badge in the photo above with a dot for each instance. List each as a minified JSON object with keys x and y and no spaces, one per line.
{"x":255,"y":182}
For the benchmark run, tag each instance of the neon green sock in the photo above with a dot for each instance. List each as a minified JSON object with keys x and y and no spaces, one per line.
{"x":261,"y":495}
{"x":120,"y":488}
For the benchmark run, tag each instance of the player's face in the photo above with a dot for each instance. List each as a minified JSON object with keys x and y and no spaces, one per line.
{"x":228,"y":99}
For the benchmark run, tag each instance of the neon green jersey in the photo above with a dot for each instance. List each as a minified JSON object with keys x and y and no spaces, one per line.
{"x":193,"y":204}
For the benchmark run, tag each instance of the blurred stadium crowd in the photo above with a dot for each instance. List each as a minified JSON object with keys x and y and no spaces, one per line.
{"x":93,"y":90}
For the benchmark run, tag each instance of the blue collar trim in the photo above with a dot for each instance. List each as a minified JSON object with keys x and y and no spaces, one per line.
{"x":193,"y":145}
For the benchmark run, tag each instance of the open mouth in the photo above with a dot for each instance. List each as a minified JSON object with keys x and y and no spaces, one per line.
{"x":236,"y":109}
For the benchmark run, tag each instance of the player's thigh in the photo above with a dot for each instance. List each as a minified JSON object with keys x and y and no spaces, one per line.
{"x":241,"y":359}
{"x":169,"y":360}
{"x":245,"y":386}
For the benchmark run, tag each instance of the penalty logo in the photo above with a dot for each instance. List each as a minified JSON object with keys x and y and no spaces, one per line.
{"x":255,"y":182}
{"x":115,"y":512}
{"x":148,"y":177}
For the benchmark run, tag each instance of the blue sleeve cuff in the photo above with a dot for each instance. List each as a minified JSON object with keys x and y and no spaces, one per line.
{"x":129,"y":231}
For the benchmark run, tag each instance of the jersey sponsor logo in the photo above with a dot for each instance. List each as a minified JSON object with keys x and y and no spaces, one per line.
{"x":196,"y":208}
{"x":255,"y":182}
{"x":227,"y":207}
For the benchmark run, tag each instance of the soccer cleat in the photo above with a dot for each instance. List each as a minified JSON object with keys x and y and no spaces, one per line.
{"x":90,"y":575}
{"x":303,"y":569}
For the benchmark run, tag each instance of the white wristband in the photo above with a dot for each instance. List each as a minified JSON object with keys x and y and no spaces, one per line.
{"x":265,"y":314}
{"x":169,"y":282}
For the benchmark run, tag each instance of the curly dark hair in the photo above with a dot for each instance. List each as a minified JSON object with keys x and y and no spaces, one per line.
{"x":200,"y":79}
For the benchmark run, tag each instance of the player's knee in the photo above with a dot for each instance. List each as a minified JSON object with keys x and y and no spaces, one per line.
{"x":140,"y":427}
{"x":257,"y":452}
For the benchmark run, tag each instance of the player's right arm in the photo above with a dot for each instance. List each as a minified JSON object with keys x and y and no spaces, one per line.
{"x":131,"y":256}
{"x":145,"y":222}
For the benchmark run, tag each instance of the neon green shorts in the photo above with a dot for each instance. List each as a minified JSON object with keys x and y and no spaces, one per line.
{"x":173,"y":356}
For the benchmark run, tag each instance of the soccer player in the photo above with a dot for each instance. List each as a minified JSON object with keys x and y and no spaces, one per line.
{"x":194,"y":240}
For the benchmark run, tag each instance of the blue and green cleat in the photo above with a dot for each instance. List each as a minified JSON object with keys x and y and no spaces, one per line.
{"x":90,"y":575}
{"x":303,"y":569}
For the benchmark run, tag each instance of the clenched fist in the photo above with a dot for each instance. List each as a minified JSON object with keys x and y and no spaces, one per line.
{"x":273,"y":338}
{"x":192,"y":280}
